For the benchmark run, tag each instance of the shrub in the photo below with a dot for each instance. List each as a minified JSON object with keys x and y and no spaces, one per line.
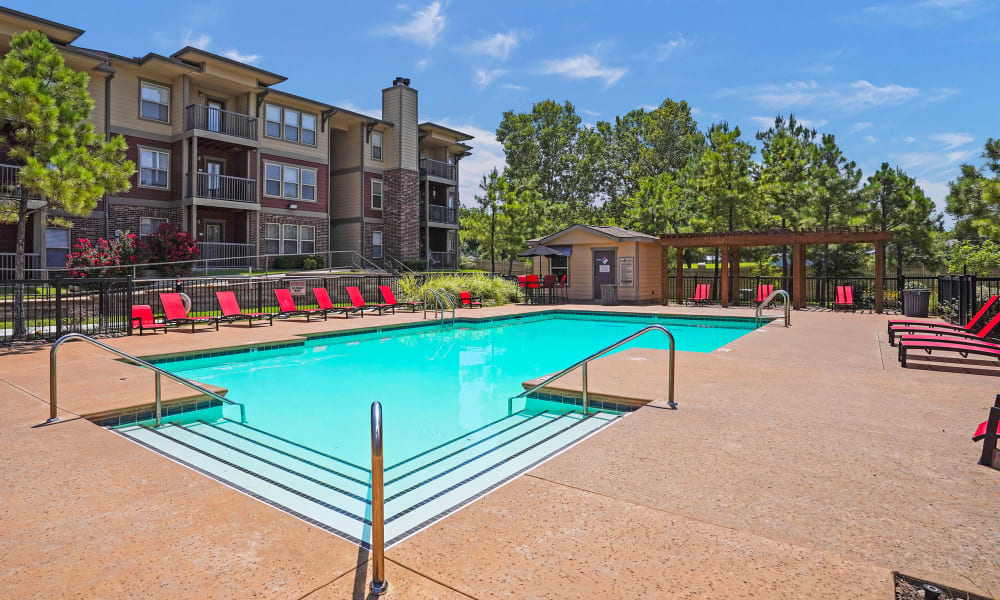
{"x":494,"y":291}
{"x":169,"y":244}
{"x":300,"y":261}
{"x":86,"y":258}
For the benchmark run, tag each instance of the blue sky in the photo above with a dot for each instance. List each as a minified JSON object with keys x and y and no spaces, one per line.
{"x":911,"y":82}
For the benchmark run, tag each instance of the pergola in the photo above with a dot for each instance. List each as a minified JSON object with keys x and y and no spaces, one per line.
{"x":730,"y":243}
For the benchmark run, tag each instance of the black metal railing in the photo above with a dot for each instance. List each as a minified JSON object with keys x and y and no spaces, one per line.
{"x":442,"y":260}
{"x":225,"y":187}
{"x":45,"y":309}
{"x":436,"y":168}
{"x":442,"y":214}
{"x":217,"y":120}
{"x":10,"y":183}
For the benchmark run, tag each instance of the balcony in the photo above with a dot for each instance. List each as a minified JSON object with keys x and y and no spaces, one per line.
{"x":442,"y":260}
{"x":436,"y":168}
{"x":217,"y":120}
{"x":224,"y":187}
{"x":10,"y":184}
{"x":442,"y":214}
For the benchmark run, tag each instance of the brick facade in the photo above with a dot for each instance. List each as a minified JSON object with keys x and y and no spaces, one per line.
{"x":259,"y":220}
{"x":401,"y":214}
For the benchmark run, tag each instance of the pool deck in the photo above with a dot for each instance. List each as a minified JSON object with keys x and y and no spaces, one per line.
{"x":801,"y":463}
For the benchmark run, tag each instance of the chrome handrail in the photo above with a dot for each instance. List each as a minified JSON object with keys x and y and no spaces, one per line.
{"x":439,"y":303}
{"x":379,"y":584}
{"x":451,"y":300}
{"x":583,"y":363}
{"x":53,"y":392}
{"x":785,"y":299}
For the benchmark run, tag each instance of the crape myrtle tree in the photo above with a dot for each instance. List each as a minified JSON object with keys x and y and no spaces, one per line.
{"x":65,"y":166}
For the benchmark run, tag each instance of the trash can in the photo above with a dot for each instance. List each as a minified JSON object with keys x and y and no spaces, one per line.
{"x":916,"y":302}
{"x":609,"y":294}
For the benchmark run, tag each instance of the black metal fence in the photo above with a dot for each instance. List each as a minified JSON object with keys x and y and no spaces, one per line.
{"x":44,"y":309}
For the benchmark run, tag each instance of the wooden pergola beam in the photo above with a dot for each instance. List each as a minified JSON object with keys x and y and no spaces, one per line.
{"x":772,"y":238}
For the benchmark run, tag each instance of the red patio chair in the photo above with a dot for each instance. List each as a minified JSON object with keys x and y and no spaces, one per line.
{"x":324,"y":303}
{"x":288,"y":309}
{"x":845,"y":298}
{"x":763,"y":291}
{"x":390,"y":298}
{"x":702,"y":291}
{"x":359,"y":302}
{"x":231,"y":310}
{"x":962,"y":343}
{"x":142,"y":317}
{"x":469,"y":300}
{"x":901,"y":326}
{"x":175,"y":314}
{"x":989,"y":431}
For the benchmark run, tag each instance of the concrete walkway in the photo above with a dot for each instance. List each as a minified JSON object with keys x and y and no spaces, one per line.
{"x":802,"y":463}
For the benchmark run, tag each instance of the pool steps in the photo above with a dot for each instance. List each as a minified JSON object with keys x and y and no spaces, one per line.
{"x":334,"y":494}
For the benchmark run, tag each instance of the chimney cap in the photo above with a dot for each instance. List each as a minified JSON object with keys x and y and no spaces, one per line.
{"x":401,"y":81}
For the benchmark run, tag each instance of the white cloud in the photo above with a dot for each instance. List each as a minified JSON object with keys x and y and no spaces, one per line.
{"x":487,"y":154}
{"x":583,"y":66}
{"x":422,"y":64}
{"x":498,"y":45}
{"x":484,"y":78}
{"x":909,"y":139}
{"x":953,"y":140}
{"x":871,"y":139}
{"x":768,"y":122}
{"x":371,"y":112}
{"x":513,"y":86}
{"x":423,"y":28}
{"x":935,"y":190}
{"x":663,"y":52}
{"x":648,"y":107}
{"x":856,"y":96}
{"x":590,"y":113}
{"x":859,"y":127}
{"x":867,"y":95}
{"x":250,"y":59}
{"x":195,"y":41}
{"x":921,"y":160}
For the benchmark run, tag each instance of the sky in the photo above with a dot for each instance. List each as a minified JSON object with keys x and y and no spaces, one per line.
{"x":909,"y":82}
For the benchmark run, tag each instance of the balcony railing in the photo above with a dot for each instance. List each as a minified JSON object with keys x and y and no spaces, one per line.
{"x":442,"y":260}
{"x":210,"y":118}
{"x":224,"y":255}
{"x":436,"y":168}
{"x":10,"y":185}
{"x":225,"y":187}
{"x":32,"y":264}
{"x":442,"y":214}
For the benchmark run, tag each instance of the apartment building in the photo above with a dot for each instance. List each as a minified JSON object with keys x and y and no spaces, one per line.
{"x":250,"y":169}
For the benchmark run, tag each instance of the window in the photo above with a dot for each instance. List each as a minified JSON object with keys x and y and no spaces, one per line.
{"x":376,"y":145}
{"x":272,"y":238}
{"x":307,"y":239}
{"x":309,"y":129}
{"x":559,"y":266}
{"x":286,"y":181}
{"x":154,"y":102}
{"x":56,"y":246}
{"x":154,"y":168}
{"x":272,"y":120}
{"x":376,"y":244}
{"x":149,"y":225}
{"x":377,"y":194}
{"x":289,"y":125}
{"x":308,"y":184}
{"x":272,"y":179}
{"x":290,"y":177}
{"x":289,"y":239}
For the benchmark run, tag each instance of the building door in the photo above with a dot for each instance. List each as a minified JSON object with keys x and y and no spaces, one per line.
{"x":214,"y":231}
{"x":604,"y":270}
{"x":214,"y":169}
{"x":215,"y":109}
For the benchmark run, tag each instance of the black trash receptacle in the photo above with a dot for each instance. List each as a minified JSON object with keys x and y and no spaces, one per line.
{"x":916,"y":302}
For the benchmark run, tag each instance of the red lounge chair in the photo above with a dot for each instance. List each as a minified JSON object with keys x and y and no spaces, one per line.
{"x":231,"y":310}
{"x":845,"y":298}
{"x":945,"y":335}
{"x":142,"y":317}
{"x":324,"y":302}
{"x":763,"y":291}
{"x":963,"y":349}
{"x":468,"y":300}
{"x":390,"y":298}
{"x":701,"y":293}
{"x":288,"y":308}
{"x":359,"y":302}
{"x":175,"y":314}
{"x":901,"y":326}
{"x":989,"y":431}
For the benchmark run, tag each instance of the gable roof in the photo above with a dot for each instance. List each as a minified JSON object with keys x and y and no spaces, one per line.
{"x":618,"y":234}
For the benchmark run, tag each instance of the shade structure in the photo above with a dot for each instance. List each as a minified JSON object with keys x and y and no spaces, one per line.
{"x":541,"y":251}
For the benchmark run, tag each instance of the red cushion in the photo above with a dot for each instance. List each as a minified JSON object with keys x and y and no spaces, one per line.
{"x":981,"y":431}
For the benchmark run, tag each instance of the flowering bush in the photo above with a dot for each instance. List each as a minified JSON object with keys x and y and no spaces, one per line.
{"x":169,"y":245}
{"x":104,"y":258}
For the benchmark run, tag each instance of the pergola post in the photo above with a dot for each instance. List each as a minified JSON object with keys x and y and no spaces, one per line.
{"x":879,"y":274}
{"x":680,"y":276}
{"x":734,"y":296}
{"x":664,"y":276}
{"x":798,"y":277}
{"x":724,"y":295}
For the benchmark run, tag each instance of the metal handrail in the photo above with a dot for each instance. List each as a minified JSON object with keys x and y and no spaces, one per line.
{"x":53,"y":392}
{"x":393,"y":259}
{"x":583,"y":363}
{"x":379,"y":584}
{"x":787,"y":302}
{"x":439,"y":303}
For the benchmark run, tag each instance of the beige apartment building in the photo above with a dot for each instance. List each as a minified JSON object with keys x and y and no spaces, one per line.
{"x":252,"y":170}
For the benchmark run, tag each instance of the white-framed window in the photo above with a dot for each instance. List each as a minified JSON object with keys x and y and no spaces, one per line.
{"x":272,"y":238}
{"x":376,"y":145}
{"x":154,"y":102}
{"x":149,"y":225}
{"x":154,"y":168}
{"x":56,"y":247}
{"x":289,"y":182}
{"x":376,"y":244}
{"x":307,"y":239}
{"x":377,"y":194}
{"x":289,"y":124}
{"x":289,"y":239}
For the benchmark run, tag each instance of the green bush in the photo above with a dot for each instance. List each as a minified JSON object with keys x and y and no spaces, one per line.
{"x":494,"y":291}
{"x":299,"y":261}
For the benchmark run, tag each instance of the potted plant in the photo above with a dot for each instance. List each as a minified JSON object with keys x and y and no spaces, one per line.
{"x":916,"y":299}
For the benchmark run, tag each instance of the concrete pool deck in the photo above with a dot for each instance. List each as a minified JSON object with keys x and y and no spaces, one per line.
{"x":802,"y":462}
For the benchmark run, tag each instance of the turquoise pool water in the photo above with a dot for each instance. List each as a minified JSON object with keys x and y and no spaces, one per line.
{"x":435,"y":383}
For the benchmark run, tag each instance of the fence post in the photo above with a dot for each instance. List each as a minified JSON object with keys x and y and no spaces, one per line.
{"x":128,"y":304}
{"x":58,"y":284}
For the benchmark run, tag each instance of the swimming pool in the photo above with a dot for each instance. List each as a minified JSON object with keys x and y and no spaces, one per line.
{"x":450,"y":433}
{"x":434,"y":383}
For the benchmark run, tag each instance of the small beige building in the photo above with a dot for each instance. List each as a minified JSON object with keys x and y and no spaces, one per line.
{"x":594,"y":255}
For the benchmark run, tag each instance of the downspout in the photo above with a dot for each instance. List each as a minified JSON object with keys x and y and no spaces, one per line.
{"x":107,"y":68}
{"x":361,"y":242}
{"x":324,"y":117}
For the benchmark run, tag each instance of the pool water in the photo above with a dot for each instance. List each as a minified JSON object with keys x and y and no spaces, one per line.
{"x":435,"y":383}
